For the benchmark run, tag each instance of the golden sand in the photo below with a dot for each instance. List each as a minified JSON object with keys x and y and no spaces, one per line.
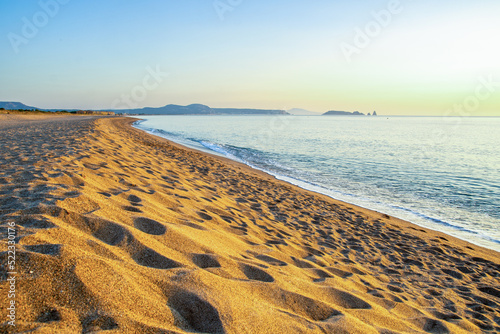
{"x":122,"y":232}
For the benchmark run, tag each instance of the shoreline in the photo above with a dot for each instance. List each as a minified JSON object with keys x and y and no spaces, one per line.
{"x":121,"y":230}
{"x":261,"y":173}
{"x":448,"y":228}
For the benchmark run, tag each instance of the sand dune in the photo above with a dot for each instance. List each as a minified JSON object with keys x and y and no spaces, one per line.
{"x":122,"y":232}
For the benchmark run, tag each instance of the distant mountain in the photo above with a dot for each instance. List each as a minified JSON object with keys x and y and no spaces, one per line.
{"x":199,"y":109}
{"x":343,"y":113}
{"x":236,"y":111}
{"x":302,"y":112}
{"x":14,"y":106}
{"x":171,"y":109}
{"x":22,"y":106}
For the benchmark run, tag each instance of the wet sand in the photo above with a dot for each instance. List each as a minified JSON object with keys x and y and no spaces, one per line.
{"x":123,"y":232}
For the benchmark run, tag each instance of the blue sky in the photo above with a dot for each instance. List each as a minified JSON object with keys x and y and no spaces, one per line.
{"x":396,"y":57}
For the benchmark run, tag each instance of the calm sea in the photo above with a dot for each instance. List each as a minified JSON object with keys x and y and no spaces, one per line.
{"x":440,"y":173}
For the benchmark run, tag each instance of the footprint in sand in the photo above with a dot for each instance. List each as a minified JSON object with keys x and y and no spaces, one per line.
{"x":204,"y":215}
{"x":339,"y":272}
{"x":149,"y":226}
{"x":446,"y":316}
{"x":149,"y":258}
{"x":199,"y":314}
{"x":490,"y":291}
{"x":304,"y":306}
{"x":47,"y":249}
{"x":113,"y":234}
{"x":227,"y":219}
{"x":131,"y":208}
{"x":256,"y":274}
{"x":485,"y":301}
{"x":301,"y":263}
{"x":36,"y":223}
{"x":344,"y":299}
{"x":193,"y":225}
{"x":430,"y":325}
{"x":296,"y":304}
{"x":109,"y":232}
{"x":321,"y":275}
{"x":394,"y":288}
{"x":453,"y":273}
{"x":205,"y":261}
{"x":49,"y":316}
{"x":465,"y":269}
{"x":98,"y":322}
{"x":72,"y":194}
{"x":271,"y":260}
{"x":134,"y":199}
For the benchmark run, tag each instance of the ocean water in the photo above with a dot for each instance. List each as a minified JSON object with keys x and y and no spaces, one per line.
{"x":439,"y":173}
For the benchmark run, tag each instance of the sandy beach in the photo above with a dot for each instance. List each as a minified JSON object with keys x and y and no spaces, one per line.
{"x":119,"y":231}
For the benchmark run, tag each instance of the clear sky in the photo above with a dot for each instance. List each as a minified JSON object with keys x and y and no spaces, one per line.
{"x":404,"y":57}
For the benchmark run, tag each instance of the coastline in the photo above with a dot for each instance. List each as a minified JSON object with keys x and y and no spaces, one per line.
{"x":262,"y":173}
{"x":404,"y":198}
{"x":171,"y":229}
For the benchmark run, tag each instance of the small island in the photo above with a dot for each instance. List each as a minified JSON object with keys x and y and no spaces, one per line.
{"x":347,"y":113}
{"x":343,"y":113}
